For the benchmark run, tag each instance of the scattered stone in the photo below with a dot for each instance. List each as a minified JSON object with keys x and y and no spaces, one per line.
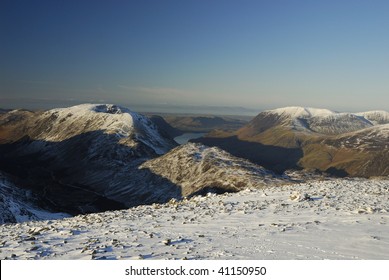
{"x":167,"y":242}
{"x":34,"y":248}
{"x":294,"y":197}
{"x":30,"y":238}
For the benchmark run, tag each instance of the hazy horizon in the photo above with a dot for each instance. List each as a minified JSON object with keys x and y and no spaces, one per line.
{"x":244,"y":56}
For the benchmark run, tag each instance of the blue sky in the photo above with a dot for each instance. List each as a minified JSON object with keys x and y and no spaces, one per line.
{"x":254,"y":54}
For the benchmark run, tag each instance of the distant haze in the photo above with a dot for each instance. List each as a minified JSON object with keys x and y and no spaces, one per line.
{"x":221,"y":56}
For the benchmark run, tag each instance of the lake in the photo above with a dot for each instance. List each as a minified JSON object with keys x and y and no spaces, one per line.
{"x":184,"y":138}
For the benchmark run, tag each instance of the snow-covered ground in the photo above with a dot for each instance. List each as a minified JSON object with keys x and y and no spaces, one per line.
{"x":338,"y":219}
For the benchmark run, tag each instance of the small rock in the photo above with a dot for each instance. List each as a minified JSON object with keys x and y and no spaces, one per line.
{"x":34,"y":248}
{"x":294,"y":197}
{"x":167,"y":242}
{"x":31,"y":238}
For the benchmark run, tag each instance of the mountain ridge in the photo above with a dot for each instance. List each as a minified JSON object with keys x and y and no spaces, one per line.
{"x":341,"y":143}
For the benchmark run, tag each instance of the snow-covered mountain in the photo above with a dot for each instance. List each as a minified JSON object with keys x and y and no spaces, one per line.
{"x":85,"y":158}
{"x":320,"y":121}
{"x":297,"y":137}
{"x":295,"y":112}
{"x":129,"y":128}
{"x":375,"y":117}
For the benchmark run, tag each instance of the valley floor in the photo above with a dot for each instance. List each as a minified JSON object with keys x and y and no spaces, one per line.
{"x":339,"y":219}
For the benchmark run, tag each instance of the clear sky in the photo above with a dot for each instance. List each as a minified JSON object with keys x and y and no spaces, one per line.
{"x":255,"y":54}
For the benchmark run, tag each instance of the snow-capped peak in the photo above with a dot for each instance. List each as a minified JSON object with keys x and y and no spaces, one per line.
{"x":89,"y":117}
{"x":298,"y":112}
{"x":64,"y":123}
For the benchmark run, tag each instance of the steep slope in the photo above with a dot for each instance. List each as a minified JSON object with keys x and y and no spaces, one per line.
{"x":164,"y":127}
{"x":199,"y":169}
{"x":85,"y":158}
{"x":20,"y":205}
{"x":363,"y":153}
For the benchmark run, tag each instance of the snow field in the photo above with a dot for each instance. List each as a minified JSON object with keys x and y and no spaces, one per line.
{"x":338,"y":219}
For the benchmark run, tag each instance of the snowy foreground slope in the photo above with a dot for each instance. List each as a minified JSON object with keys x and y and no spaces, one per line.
{"x":339,"y":219}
